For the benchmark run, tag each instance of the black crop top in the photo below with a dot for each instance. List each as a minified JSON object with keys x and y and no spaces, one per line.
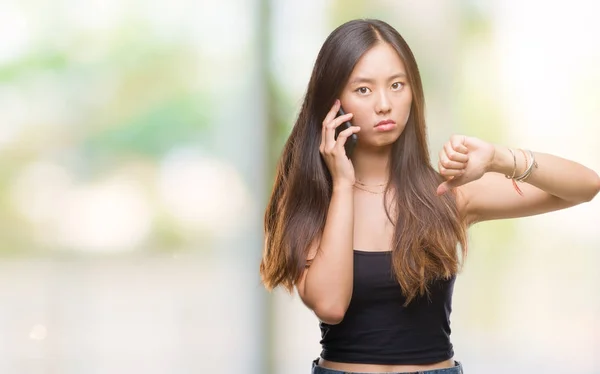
{"x":378,"y":329}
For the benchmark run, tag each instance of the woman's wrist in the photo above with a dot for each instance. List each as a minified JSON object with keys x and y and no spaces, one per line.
{"x":503,"y":161}
{"x":343,"y":186}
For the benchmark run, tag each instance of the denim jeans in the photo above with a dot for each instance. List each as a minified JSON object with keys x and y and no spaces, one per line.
{"x":457,"y":369}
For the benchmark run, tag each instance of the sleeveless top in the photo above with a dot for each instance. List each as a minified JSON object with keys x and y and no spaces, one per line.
{"x":378,"y":329}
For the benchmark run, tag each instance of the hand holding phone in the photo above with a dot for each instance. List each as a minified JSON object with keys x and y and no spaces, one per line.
{"x":352,"y":139}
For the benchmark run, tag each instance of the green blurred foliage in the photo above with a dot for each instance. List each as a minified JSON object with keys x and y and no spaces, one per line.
{"x":127,"y":97}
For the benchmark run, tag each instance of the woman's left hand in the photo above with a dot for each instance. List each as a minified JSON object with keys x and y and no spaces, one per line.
{"x":462,"y":160}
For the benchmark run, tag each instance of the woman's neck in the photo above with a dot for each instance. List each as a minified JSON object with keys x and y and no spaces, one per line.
{"x":371,"y":167}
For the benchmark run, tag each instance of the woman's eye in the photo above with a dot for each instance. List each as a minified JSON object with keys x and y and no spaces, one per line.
{"x":363,"y":90}
{"x":397,"y":85}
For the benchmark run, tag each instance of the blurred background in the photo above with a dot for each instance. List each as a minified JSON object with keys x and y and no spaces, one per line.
{"x":137,"y":148}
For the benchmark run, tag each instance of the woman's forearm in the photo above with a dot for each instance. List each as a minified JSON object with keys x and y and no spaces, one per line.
{"x":560,"y":177}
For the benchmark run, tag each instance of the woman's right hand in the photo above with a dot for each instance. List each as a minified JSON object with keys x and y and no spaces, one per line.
{"x":332,"y":150}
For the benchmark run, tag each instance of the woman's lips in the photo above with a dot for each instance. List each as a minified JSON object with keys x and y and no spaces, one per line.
{"x":385,"y":125}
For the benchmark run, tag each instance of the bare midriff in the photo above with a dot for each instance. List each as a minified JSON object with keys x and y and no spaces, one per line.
{"x":370,"y":368}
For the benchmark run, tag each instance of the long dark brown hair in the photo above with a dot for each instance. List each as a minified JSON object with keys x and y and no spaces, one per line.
{"x":428,"y":228}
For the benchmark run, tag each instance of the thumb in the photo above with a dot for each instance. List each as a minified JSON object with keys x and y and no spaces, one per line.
{"x":450,"y":184}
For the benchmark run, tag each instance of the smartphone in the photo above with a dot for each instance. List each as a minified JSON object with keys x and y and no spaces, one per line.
{"x":352,"y":139}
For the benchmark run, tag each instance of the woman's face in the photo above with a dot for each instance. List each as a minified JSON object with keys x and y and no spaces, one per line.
{"x":378,"y":95}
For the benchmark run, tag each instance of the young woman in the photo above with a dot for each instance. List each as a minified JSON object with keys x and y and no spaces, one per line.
{"x":373,"y":241}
